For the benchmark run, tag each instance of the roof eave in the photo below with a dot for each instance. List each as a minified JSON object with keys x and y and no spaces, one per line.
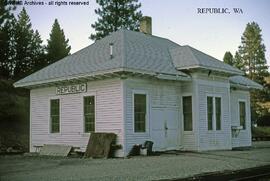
{"x":67,"y":78}
{"x":211,"y":68}
{"x":105,"y":74}
{"x":245,"y":87}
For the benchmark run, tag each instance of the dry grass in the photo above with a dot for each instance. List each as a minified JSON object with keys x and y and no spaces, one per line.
{"x":261,"y":131}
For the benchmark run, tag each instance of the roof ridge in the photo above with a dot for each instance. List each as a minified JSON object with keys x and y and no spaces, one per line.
{"x":124,"y":62}
{"x":204,"y":53}
{"x":213,"y":58}
{"x":171,"y":59}
{"x":151,"y":35}
{"x":194,"y":56}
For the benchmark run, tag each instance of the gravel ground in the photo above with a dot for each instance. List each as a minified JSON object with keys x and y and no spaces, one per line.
{"x":166,"y":166}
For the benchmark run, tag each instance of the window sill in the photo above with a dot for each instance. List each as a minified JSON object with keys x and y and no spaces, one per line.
{"x":141,"y":133}
{"x":212,"y":131}
{"x":188,"y":132}
{"x":85,"y":134}
{"x":55,"y":134}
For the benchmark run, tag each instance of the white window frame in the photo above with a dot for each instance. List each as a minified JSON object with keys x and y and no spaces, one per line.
{"x":182,"y":110}
{"x":147,"y":118}
{"x":214,"y":122}
{"x":238,"y":112}
{"x":83,"y":120}
{"x":49,"y":115}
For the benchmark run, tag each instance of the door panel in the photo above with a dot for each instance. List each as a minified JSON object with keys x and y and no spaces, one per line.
{"x":173,"y":129}
{"x":157,"y":132}
{"x":165,"y":128}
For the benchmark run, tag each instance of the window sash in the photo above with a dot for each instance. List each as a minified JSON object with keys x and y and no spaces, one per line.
{"x":187,"y":113}
{"x":54,"y":116}
{"x":89,"y":113}
{"x":218,"y":112}
{"x":242,"y":114}
{"x":140,"y":112}
{"x":210,"y":112}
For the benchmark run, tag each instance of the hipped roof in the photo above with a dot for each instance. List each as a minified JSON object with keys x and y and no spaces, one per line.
{"x":132,"y":52}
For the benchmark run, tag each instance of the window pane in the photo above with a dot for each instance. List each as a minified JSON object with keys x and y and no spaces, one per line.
{"x":139,"y":112}
{"x":242,"y":114}
{"x":210,"y":112}
{"x":187,"y":113}
{"x":54,"y":116}
{"x":89,"y":114}
{"x":218,"y":113}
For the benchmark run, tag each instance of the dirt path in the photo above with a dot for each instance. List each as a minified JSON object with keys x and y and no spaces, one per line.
{"x":166,"y":166}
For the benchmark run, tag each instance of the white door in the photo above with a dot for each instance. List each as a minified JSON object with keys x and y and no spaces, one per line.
{"x":172,"y":129}
{"x":165,"y":129}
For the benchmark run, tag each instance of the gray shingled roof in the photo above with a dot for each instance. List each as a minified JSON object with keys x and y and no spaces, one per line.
{"x":240,"y":81}
{"x":186,"y":57}
{"x":132,"y":51}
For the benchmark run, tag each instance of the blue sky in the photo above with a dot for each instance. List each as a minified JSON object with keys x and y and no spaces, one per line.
{"x":176,"y":20}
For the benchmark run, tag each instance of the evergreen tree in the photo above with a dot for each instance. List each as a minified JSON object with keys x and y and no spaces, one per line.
{"x":228,"y":58}
{"x":114,"y":15}
{"x":235,"y":61}
{"x":27,"y":46}
{"x":252,"y":60}
{"x":6,"y":37}
{"x":38,"y":54}
{"x":5,"y":12}
{"x":252,"y":53}
{"x":238,"y":63}
{"x":57,"y":47}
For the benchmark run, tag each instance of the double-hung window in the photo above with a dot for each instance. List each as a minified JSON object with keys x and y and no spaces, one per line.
{"x":214,"y":113}
{"x":89,"y":114}
{"x":140,"y":112}
{"x":54,"y":115}
{"x":210,"y":112}
{"x":242,"y":114}
{"x":218,"y":112}
{"x":187,"y":113}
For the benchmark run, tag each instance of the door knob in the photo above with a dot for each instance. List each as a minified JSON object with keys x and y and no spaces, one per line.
{"x":165,"y":125}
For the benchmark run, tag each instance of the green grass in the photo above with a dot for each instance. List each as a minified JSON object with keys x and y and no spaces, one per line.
{"x":261,"y":131}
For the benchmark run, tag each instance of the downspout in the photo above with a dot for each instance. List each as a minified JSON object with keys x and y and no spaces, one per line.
{"x":230,"y":116}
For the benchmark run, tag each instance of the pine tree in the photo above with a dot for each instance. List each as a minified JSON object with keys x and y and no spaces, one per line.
{"x":57,"y":47}
{"x":6,"y":37}
{"x":5,"y":12}
{"x":38,"y":54}
{"x":253,"y":62}
{"x":228,"y":58}
{"x":238,"y":63}
{"x":114,"y":15}
{"x":27,"y":46}
{"x":235,"y":61}
{"x":252,"y":52}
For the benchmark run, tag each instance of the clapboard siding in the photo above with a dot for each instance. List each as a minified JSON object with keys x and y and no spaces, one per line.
{"x":164,"y":95}
{"x":109,"y":114}
{"x":244,"y":137}
{"x":114,"y":113}
{"x":216,"y":87}
{"x":189,"y":137}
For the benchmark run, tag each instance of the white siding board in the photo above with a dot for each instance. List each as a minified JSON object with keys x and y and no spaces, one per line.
{"x":213,"y":139}
{"x":161,"y":95}
{"x":244,"y":137}
{"x":114,"y":113}
{"x":189,"y":138}
{"x":109,"y":116}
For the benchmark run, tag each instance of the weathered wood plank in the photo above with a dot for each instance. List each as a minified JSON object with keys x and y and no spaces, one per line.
{"x":99,"y":145}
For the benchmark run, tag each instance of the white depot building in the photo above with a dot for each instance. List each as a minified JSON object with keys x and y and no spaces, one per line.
{"x":141,"y":87}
